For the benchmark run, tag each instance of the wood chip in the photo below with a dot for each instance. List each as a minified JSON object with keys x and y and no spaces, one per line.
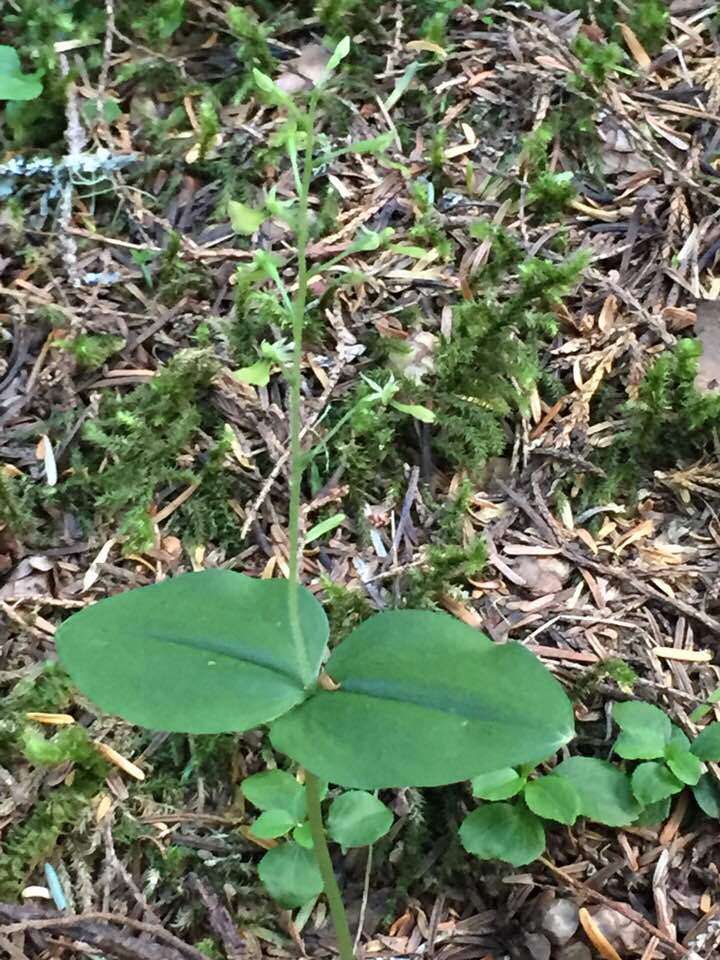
{"x":58,"y":719}
{"x":687,"y":656}
{"x":596,"y":937}
{"x":127,"y":766}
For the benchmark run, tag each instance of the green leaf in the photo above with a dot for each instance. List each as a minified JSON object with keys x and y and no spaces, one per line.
{"x":402,"y":84}
{"x":684,"y":765}
{"x":425,"y":700}
{"x":654,"y":813}
{"x":707,"y":795}
{"x":14,"y":84}
{"x":257,"y":375}
{"x":206,"y":652}
{"x":497,"y":784}
{"x":325,"y":526}
{"x":357,"y":819}
{"x":303,"y":835}
{"x":244,"y":219}
{"x":645,"y":730}
{"x":272,"y":824}
{"x":338,"y":54}
{"x":553,"y":798}
{"x":706,"y":745}
{"x":414,"y":410}
{"x":705,"y":708}
{"x":652,"y":782}
{"x":501,"y":831}
{"x":604,"y":790}
{"x":374,"y":145}
{"x":276,"y":790}
{"x":290,"y":875}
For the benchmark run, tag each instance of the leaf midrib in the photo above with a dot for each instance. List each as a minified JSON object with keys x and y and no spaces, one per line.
{"x":385,"y":691}
{"x":242,"y":655}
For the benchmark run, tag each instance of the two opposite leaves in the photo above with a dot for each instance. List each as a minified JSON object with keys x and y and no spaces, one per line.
{"x":423,"y":699}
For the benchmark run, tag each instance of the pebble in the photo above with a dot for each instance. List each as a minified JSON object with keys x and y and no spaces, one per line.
{"x":574,"y":951}
{"x":538,"y":946}
{"x":560,"y":921}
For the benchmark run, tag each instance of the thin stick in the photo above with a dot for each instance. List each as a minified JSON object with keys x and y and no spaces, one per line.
{"x":322,"y":856}
{"x":366,"y":894}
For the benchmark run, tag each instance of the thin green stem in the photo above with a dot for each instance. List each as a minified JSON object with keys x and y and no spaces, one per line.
{"x":296,"y":462}
{"x":322,"y":856}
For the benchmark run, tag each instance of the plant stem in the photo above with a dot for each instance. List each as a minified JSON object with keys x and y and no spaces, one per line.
{"x":296,"y":462}
{"x":322,"y":856}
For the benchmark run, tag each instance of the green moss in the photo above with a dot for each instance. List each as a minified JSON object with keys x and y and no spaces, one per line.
{"x":598,"y":61}
{"x":486,"y":368}
{"x":345,"y":609}
{"x":19,"y":502}
{"x":91,"y":350}
{"x":612,"y":669}
{"x":32,"y":842}
{"x":444,"y":566}
{"x":669,"y":423}
{"x":136,"y":446}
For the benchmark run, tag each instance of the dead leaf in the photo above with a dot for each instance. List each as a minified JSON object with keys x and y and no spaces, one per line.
{"x":312,"y":62}
{"x":634,"y":46}
{"x":542,"y":575}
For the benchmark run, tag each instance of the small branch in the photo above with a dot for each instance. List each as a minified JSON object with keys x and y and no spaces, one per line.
{"x":97,"y":930}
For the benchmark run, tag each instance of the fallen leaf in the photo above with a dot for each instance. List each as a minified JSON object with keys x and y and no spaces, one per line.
{"x":542,"y":575}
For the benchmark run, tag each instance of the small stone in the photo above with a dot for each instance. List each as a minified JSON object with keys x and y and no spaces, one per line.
{"x":560,"y":921}
{"x":575,"y":951}
{"x":622,"y":932}
{"x":538,"y":946}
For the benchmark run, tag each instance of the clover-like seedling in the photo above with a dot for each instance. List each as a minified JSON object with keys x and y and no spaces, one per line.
{"x":409,"y":698}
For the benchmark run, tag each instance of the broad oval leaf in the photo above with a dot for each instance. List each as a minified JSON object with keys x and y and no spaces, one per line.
{"x":357,"y":819}
{"x":684,"y":765}
{"x":707,"y":795}
{"x":207,"y":652}
{"x":290,"y":874}
{"x":604,"y":790}
{"x":302,"y":834}
{"x":553,"y":798}
{"x":645,"y":730}
{"x":498,"y":784}
{"x":14,"y":84}
{"x":706,"y":745}
{"x":272,"y":824}
{"x":654,"y":813}
{"x":653,"y":782}
{"x":501,"y":831}
{"x":276,"y":790}
{"x":425,"y":700}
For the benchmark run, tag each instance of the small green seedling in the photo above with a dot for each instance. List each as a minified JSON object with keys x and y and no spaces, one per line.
{"x":409,"y":698}
{"x":663,"y":763}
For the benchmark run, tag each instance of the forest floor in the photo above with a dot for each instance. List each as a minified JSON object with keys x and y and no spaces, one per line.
{"x":551,"y":179}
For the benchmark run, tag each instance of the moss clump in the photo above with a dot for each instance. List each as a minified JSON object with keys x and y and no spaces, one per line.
{"x":345,"y":609}
{"x":611,"y":669}
{"x":488,"y":365}
{"x":19,"y":503}
{"x":669,"y":422}
{"x":445,"y":564}
{"x":138,"y":445}
{"x":33,"y":841}
{"x":91,"y":350}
